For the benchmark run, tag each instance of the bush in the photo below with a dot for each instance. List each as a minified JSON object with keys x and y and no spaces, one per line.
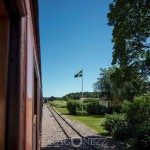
{"x":94,"y":108}
{"x":113,"y":109}
{"x":134,"y":124}
{"x":101,"y":110}
{"x":89,"y":100}
{"x":137,"y":112}
{"x":111,"y":121}
{"x":121,"y":129}
{"x":72,"y":106}
{"x":142,"y":140}
{"x":91,"y":107}
{"x":138,"y":118}
{"x":81,"y":106}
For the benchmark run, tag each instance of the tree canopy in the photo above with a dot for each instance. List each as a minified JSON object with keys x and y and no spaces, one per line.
{"x":131,"y":21}
{"x":131,"y":50}
{"x":104,"y":83}
{"x":109,"y":84}
{"x":77,"y":95}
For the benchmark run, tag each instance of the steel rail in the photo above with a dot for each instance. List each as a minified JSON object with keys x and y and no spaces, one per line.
{"x":69,"y":126}
{"x":59,"y":123}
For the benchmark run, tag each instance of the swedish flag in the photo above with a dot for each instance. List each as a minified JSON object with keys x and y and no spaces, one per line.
{"x":79,"y":74}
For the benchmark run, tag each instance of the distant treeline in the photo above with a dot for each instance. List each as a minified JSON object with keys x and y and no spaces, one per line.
{"x":78,"y":95}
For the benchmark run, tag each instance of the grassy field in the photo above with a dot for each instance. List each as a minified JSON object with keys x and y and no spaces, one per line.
{"x":58,"y":103}
{"x":94,"y":122}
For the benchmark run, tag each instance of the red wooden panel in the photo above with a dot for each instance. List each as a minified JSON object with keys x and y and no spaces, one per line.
{"x":4,"y":30}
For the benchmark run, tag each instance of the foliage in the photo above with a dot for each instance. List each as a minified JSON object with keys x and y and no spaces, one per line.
{"x":121,"y":129}
{"x":72,"y":106}
{"x":101,"y":110}
{"x":116,"y":109}
{"x":66,"y":98}
{"x":77,"y":95}
{"x":94,"y":108}
{"x":104,"y":83}
{"x":128,"y":82}
{"x":58,"y":103}
{"x":91,"y":107}
{"x":131,"y":52}
{"x":81,"y":106}
{"x":89,"y":100}
{"x":111,"y":121}
{"x":122,"y":84}
{"x":115,"y":82}
{"x":143,"y":136}
{"x":133,"y":124}
{"x":137,"y":112}
{"x":131,"y":31}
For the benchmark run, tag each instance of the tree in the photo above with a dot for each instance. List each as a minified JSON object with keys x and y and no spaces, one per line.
{"x":104,"y":83}
{"x":131,"y":55}
{"x":131,"y":21}
{"x":112,"y":83}
{"x":77,"y":95}
{"x":128,"y":83}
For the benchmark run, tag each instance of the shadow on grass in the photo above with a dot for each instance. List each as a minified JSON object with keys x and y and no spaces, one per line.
{"x":64,"y":113}
{"x":98,"y":116}
{"x":80,"y":113}
{"x":104,"y":134}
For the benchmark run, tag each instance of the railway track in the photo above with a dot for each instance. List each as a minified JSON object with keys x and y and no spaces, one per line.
{"x":76,"y":138}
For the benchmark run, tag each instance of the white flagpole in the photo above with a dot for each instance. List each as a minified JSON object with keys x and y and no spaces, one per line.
{"x":82,"y":83}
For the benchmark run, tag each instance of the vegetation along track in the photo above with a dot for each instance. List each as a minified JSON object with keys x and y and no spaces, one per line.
{"x":70,"y":131}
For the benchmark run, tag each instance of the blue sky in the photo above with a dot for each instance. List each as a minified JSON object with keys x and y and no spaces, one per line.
{"x":73,"y":35}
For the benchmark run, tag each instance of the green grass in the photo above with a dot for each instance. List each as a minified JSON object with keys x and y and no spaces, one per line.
{"x":63,"y":111}
{"x":58,"y":103}
{"x":94,"y":122}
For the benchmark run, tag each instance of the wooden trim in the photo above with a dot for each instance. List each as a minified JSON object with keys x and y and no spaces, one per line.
{"x":13,"y":89}
{"x":4,"y":40}
{"x":34,"y":132}
{"x":22,"y":83}
{"x":29,"y":87}
{"x":3,"y":11}
{"x":15,"y":8}
{"x":35,"y":22}
{"x":21,"y":8}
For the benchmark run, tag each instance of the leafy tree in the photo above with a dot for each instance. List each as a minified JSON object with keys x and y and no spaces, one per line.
{"x":131,"y":55}
{"x":114,"y":82}
{"x":104,"y":83}
{"x":138,"y":117}
{"x":77,"y":95}
{"x":131,"y":21}
{"x":72,"y":106}
{"x":128,"y":83}
{"x":133,"y":124}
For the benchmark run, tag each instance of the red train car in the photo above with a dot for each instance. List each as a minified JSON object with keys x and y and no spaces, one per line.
{"x":20,"y":75}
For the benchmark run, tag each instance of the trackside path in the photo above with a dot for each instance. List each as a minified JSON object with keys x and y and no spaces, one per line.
{"x":54,"y":137}
{"x":51,"y":132}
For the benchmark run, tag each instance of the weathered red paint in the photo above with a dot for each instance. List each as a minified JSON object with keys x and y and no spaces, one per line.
{"x":29,"y":61}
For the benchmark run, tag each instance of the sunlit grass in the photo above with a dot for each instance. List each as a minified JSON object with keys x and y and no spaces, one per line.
{"x":58,"y":103}
{"x":92,"y":121}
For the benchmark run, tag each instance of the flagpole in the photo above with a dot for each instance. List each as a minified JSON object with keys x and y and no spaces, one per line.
{"x":82,"y":83}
